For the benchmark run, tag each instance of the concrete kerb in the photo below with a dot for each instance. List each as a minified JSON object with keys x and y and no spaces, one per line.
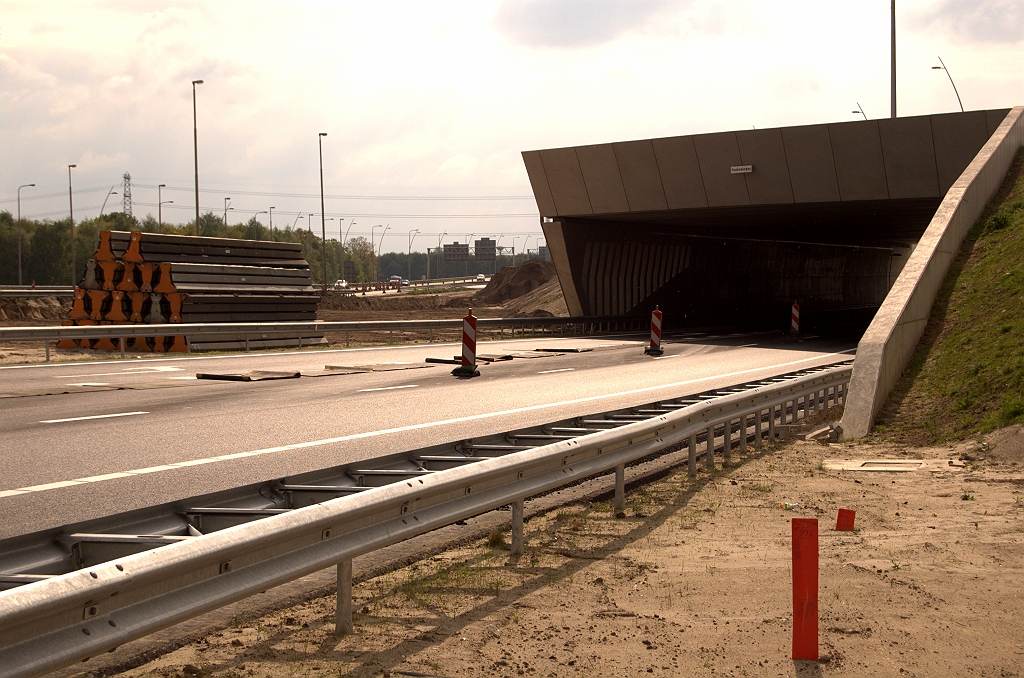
{"x":889,"y":342}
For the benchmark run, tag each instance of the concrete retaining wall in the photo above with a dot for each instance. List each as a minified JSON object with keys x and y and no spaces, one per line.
{"x":889,"y":342}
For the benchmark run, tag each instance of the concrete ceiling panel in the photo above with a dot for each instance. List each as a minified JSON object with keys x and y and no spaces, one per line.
{"x":811,"y":168}
{"x":857,"y":151}
{"x":601,"y":174}
{"x":909,"y":157}
{"x":565,"y":180}
{"x":641,"y":179}
{"x":680,"y":172}
{"x":994,"y":117}
{"x":717,"y":153}
{"x":768,"y":183}
{"x":957,"y":138}
{"x":539,"y":183}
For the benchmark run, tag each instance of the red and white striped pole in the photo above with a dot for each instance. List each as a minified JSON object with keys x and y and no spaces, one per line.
{"x":655,"y":347}
{"x":794,"y":319}
{"x":468,"y":367}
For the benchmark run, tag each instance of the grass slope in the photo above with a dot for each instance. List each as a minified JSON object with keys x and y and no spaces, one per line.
{"x":967,"y":375}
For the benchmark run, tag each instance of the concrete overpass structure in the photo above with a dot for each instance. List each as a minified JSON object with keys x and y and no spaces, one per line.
{"x":728,"y":229}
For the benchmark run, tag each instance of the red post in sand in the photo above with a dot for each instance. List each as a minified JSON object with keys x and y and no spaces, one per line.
{"x":468,"y":367}
{"x":805,"y":588}
{"x":844,"y":521}
{"x":655,"y":347}
{"x":794,"y":319}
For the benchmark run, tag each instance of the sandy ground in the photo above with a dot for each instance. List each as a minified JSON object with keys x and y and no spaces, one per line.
{"x":695,"y":580}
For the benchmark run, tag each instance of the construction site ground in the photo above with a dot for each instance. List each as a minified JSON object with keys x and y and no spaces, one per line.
{"x":693,"y":580}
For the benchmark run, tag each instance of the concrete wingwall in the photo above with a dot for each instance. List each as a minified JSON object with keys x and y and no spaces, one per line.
{"x":892,"y":337}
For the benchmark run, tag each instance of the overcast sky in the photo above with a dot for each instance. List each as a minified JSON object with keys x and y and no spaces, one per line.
{"x":427,"y":105}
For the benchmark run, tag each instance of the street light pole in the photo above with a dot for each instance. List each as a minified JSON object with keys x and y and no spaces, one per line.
{"x":109,"y":193}
{"x":271,"y":222}
{"x":195,"y":143}
{"x":226,"y":201}
{"x":892,"y":66}
{"x":297,"y":217}
{"x":255,"y":228}
{"x":468,"y":243}
{"x":526,"y":249}
{"x":860,"y":110}
{"x":943,"y":68}
{"x":323,"y":214}
{"x":19,"y":228}
{"x":71,"y":210}
{"x":514,"y":249}
{"x":439,"y":252}
{"x":408,"y":256}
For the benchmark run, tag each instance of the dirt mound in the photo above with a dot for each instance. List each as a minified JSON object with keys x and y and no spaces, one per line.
{"x":545,"y":301}
{"x":515,"y":281}
{"x":36,"y":308}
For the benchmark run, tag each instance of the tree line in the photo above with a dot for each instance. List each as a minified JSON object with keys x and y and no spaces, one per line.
{"x":45,"y":248}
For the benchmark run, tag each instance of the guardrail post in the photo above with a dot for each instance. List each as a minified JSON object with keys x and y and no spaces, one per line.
{"x":346,"y":338}
{"x":122,"y":347}
{"x":757,"y":428}
{"x":47,"y":344}
{"x":743,"y":435}
{"x":771,"y":424}
{"x":727,"y":443}
{"x":620,"y":491}
{"x":691,"y":461}
{"x":343,"y":615}
{"x":247,"y":343}
{"x":709,"y":457}
{"x":517,"y":527}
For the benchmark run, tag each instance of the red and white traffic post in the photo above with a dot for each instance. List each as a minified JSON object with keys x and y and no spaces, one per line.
{"x":655,"y":347}
{"x":805,"y":589}
{"x":468,"y":367}
{"x":794,"y":319}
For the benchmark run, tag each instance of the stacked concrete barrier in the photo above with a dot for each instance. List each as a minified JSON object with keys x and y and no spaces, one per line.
{"x":155,"y":278}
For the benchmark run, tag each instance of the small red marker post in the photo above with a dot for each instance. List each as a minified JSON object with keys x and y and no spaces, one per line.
{"x":805,"y":589}
{"x":845,"y":519}
{"x":794,"y":319}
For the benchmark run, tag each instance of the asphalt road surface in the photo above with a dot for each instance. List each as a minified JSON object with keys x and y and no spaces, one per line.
{"x":133,"y":433}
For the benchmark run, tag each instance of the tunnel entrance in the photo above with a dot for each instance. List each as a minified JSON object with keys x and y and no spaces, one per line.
{"x":727,"y":230}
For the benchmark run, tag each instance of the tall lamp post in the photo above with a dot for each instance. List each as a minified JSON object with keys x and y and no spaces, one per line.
{"x":19,"y":228}
{"x":943,"y":68}
{"x":526,"y":249}
{"x":323,"y":221}
{"x":468,"y":243}
{"x":256,"y":232}
{"x":271,"y":213}
{"x":195,"y":144}
{"x":439,"y":239}
{"x":860,"y":111}
{"x":104,"y":205}
{"x":347,"y":230}
{"x":226,"y":201}
{"x":408,"y":256}
{"x":514,"y":250}
{"x":160,"y":206}
{"x":71,"y":210}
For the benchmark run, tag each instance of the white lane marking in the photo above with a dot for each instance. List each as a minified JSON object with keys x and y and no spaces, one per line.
{"x":564,"y":369}
{"x":95,"y":416}
{"x":90,"y":383}
{"x":183,"y":378}
{"x":746,"y":345}
{"x":414,"y":427}
{"x":665,"y":357}
{"x":386,"y":388}
{"x":126,"y":372}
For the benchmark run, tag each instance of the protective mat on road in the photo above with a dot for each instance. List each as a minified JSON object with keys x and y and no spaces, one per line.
{"x":254,"y":375}
{"x":335,"y":370}
{"x":91,"y":388}
{"x":563,"y":350}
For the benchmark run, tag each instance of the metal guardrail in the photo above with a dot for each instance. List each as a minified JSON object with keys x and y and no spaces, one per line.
{"x":37,"y":291}
{"x":291,"y":328}
{"x":61,"y":620}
